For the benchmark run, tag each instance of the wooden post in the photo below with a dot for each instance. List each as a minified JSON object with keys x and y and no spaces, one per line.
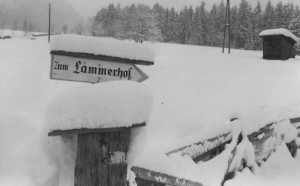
{"x":49,"y":26}
{"x":227,"y":25}
{"x":101,"y":155}
{"x":228,"y":5}
{"x":101,"y":159}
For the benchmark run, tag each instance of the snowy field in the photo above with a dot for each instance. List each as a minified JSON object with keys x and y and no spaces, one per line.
{"x":195,"y":91}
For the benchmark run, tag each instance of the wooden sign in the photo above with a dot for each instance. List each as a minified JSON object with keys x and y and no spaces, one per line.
{"x":72,"y":68}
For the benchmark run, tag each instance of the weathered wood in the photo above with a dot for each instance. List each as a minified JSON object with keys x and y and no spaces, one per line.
{"x":141,"y":182}
{"x":101,"y":158}
{"x":295,"y":120}
{"x":156,"y":177}
{"x":92,"y":160}
{"x":184,"y":150}
{"x":253,"y":136}
{"x":118,"y":146}
{"x":87,"y":131}
{"x":102,"y":57}
{"x":278,"y":47}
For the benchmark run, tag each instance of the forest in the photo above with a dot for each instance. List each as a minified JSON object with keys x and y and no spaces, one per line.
{"x":195,"y":25}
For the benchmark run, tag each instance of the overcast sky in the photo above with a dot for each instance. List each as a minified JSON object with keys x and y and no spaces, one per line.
{"x":89,"y":8}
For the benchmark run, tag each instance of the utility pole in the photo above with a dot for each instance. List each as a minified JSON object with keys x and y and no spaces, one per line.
{"x":49,"y":26}
{"x":227,"y":25}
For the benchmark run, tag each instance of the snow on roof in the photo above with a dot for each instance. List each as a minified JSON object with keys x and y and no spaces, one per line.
{"x":105,"y":105}
{"x":102,"y":46}
{"x":279,"y":31}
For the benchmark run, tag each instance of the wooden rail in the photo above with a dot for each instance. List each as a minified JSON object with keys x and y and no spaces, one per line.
{"x":165,"y":179}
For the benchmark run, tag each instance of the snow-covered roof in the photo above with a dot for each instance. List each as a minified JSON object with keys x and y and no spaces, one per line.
{"x":106,"y":105}
{"x":279,"y":31}
{"x":102,"y":46}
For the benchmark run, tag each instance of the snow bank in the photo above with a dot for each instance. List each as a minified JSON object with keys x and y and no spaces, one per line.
{"x":5,"y":33}
{"x":280,"y":169}
{"x":195,"y":90}
{"x":279,"y":31}
{"x":102,"y":46}
{"x":104,"y":105}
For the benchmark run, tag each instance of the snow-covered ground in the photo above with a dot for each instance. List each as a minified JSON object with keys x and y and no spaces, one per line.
{"x":195,"y":91}
{"x":5,"y":33}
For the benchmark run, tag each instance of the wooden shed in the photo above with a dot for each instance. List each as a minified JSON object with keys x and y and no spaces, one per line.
{"x":278,"y":44}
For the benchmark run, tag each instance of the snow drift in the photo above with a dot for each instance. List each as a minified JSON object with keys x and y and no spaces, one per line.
{"x":105,"y":105}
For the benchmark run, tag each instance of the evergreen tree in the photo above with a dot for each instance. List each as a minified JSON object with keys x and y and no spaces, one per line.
{"x":171,"y":34}
{"x":294,"y":25}
{"x":30,"y":27}
{"x":25,"y":26}
{"x":196,"y":28}
{"x":287,"y":17}
{"x":268,"y":16}
{"x":257,"y":25}
{"x":182,"y":27}
{"x":244,"y":25}
{"x":213,"y":26}
{"x":65,"y":28}
{"x":204,"y":22}
{"x":221,"y":17}
{"x":234,"y":26}
{"x":15,"y":26}
{"x":279,"y":21}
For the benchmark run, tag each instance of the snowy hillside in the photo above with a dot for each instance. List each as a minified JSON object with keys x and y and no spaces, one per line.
{"x":195,"y":90}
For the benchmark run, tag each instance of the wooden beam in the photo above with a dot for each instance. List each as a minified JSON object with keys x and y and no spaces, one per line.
{"x":86,"y":131}
{"x":101,"y":159}
{"x":253,"y":136}
{"x":181,"y":150}
{"x":295,"y":120}
{"x":157,"y":177}
{"x":102,"y":57}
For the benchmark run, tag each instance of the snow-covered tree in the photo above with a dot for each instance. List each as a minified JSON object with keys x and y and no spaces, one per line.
{"x":268,"y":16}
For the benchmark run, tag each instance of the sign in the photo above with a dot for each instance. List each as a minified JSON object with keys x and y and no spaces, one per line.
{"x":93,"y":71}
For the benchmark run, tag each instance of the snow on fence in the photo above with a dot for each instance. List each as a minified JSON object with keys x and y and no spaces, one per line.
{"x":246,"y":151}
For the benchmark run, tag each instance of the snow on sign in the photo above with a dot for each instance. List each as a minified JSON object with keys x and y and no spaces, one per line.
{"x":93,"y":71}
{"x":93,"y":59}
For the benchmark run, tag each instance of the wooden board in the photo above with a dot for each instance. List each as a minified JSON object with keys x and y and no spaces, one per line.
{"x":86,"y":131}
{"x":101,"y":158}
{"x":71,"y":68}
{"x":197,"y":156}
{"x":156,"y":177}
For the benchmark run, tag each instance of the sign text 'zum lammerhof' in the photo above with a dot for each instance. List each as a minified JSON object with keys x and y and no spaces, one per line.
{"x":93,"y":71}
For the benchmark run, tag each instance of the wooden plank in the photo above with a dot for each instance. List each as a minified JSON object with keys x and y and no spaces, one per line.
{"x":118,"y":147}
{"x":141,"y":182}
{"x":295,"y":120}
{"x":215,"y":140}
{"x":101,"y":159}
{"x":91,"y":162}
{"x":152,"y":176}
{"x":253,"y":136}
{"x":102,"y":57}
{"x":86,"y":130}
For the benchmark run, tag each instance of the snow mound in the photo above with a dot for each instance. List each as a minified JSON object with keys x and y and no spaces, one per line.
{"x":105,"y":105}
{"x":102,"y":46}
{"x":279,"y":31}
